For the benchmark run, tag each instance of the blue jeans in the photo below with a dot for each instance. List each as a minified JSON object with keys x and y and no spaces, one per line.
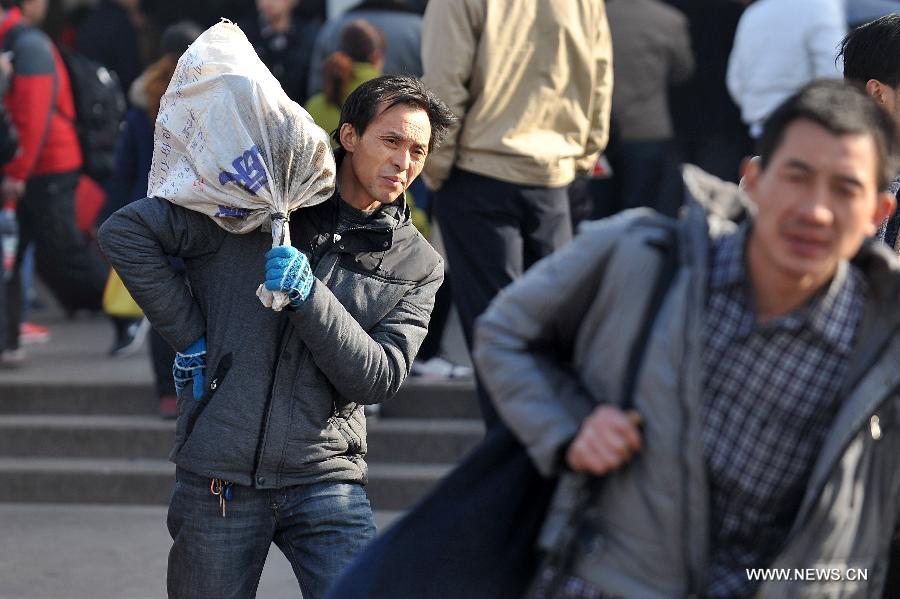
{"x":319,"y":527}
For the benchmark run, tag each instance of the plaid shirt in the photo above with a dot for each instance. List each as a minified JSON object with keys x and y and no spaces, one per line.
{"x":771,"y":392}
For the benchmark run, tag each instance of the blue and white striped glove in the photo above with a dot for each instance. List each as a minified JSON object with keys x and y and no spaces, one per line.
{"x":288,"y":271}
{"x":191,"y":366}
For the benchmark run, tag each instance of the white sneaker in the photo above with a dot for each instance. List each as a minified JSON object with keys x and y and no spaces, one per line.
{"x":12,"y":358}
{"x":438,"y":368}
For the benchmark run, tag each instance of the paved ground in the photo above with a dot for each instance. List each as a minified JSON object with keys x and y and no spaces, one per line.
{"x":102,"y":552}
{"x":77,"y":353}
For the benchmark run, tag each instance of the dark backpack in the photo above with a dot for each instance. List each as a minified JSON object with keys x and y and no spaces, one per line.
{"x":9,"y":138}
{"x":99,"y":109}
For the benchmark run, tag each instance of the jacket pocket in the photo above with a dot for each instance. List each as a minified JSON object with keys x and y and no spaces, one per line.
{"x":213,"y":385}
{"x":343,"y":428}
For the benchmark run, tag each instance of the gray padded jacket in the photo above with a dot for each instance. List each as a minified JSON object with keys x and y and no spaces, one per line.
{"x":284,"y":396}
{"x":653,"y":514}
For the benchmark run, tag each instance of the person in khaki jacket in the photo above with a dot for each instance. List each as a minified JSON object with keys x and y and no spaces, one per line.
{"x":531,"y":82}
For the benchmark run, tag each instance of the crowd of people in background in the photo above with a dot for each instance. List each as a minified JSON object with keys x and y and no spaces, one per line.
{"x":552,"y":131}
{"x":693,"y":83}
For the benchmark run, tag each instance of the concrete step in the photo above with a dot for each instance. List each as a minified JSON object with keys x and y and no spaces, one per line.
{"x":71,"y":436}
{"x":416,"y":399}
{"x":421,"y":440}
{"x":149,"y":482}
{"x":433,"y":399}
{"x":77,"y":398}
{"x":405,"y":440}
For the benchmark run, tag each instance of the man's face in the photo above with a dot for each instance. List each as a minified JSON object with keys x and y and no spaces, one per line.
{"x":275,"y":9}
{"x":817,"y":199}
{"x":34,"y":11}
{"x":389,"y":155}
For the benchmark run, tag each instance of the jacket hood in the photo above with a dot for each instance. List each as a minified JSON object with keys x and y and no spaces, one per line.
{"x":719,"y":201}
{"x":387,"y":216}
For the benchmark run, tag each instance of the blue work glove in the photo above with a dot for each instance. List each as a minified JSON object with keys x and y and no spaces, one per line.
{"x":191,"y":365}
{"x":287,"y":270}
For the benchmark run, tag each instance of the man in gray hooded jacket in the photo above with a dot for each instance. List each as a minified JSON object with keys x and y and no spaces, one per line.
{"x":763,"y":457}
{"x":271,"y":438}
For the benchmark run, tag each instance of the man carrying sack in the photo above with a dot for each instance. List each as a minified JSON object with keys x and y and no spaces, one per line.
{"x":271,"y":438}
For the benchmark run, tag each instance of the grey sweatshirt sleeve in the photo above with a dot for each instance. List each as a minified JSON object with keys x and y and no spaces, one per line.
{"x":137,"y":240}
{"x":524,"y":341}
{"x":682,"y":56}
{"x":366,"y":367}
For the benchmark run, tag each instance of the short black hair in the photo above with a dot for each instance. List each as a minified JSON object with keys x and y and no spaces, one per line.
{"x":842,"y":109}
{"x":872,"y":51}
{"x":387,"y":91}
{"x":8,"y":4}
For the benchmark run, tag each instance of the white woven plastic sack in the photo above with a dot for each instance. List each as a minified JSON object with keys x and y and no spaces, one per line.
{"x":229,"y":142}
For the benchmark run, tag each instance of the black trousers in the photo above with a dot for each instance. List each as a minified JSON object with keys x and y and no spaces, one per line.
{"x":493,"y":231}
{"x":3,"y":311}
{"x":70,"y":266}
{"x":443,"y":301}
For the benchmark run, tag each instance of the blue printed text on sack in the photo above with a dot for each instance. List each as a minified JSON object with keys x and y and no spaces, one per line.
{"x":249,"y":172}
{"x":232,"y":212}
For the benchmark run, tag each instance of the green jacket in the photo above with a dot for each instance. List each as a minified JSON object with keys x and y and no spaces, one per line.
{"x":328,"y":115}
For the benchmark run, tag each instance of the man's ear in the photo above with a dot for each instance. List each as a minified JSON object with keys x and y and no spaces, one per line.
{"x":875,"y":89}
{"x":348,"y":137}
{"x":887,"y":203}
{"x":751,"y":171}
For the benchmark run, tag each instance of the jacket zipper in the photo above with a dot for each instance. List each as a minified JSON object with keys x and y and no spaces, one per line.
{"x":690,"y":577}
{"x":317,"y":254}
{"x":267,"y":409}
{"x":264,"y":424}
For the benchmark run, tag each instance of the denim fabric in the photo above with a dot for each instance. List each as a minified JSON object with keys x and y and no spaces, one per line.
{"x":319,"y":528}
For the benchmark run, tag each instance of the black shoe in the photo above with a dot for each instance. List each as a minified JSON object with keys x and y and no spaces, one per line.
{"x":130,"y":337}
